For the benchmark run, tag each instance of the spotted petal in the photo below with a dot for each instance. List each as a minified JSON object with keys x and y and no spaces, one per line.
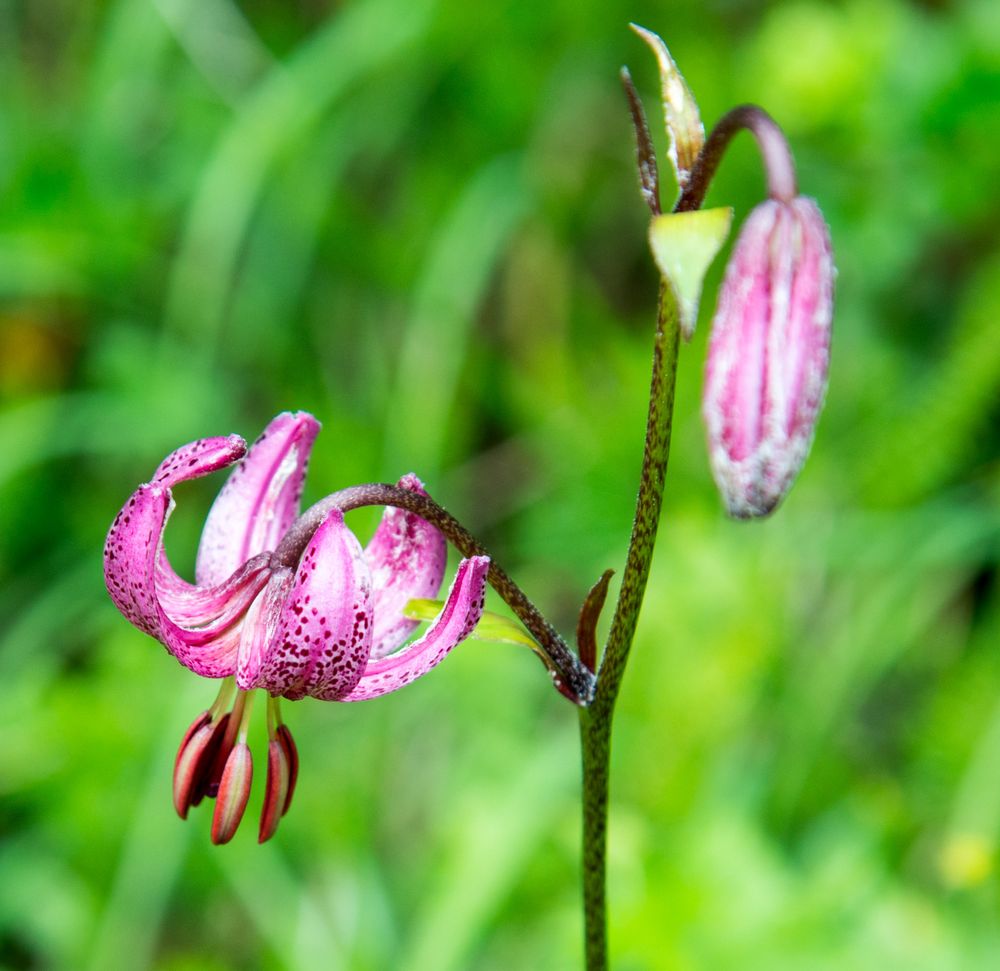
{"x":324,"y":632}
{"x":407,"y":557}
{"x":457,"y":619}
{"x":258,"y":634}
{"x":139,"y":525}
{"x":198,"y":625}
{"x":260,"y":500}
{"x":199,"y":458}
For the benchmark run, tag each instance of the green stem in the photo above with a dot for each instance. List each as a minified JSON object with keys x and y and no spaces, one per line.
{"x":596,"y":719}
{"x":595,"y":744}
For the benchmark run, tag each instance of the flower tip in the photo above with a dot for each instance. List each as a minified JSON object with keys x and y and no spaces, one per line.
{"x":234,"y":791}
{"x":295,"y":422}
{"x":413,"y":483}
{"x":755,"y":506}
{"x":683,"y":121}
{"x":199,"y":458}
{"x":260,"y":499}
{"x":643,"y":32}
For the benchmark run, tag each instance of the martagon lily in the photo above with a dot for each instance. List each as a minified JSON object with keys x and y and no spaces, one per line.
{"x":329,"y":625}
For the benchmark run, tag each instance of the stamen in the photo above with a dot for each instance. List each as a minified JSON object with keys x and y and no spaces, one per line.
{"x":225,"y":745}
{"x":197,"y":750}
{"x":292,"y":755}
{"x":224,"y":698}
{"x":234,"y":786}
{"x":206,"y":781}
{"x":273,"y":715}
{"x":282,"y":770}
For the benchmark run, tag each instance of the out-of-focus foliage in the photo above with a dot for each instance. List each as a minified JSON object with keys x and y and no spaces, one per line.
{"x":419,"y":220}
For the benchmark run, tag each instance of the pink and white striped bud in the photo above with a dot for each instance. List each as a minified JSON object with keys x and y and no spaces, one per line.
{"x":769,"y":354}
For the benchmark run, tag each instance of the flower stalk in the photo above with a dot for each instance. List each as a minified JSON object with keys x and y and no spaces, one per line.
{"x":683,"y":252}
{"x":596,"y":719}
{"x":569,"y":675}
{"x":775,"y":153}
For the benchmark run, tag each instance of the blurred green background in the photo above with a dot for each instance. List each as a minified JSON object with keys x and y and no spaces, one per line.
{"x":419,"y":220}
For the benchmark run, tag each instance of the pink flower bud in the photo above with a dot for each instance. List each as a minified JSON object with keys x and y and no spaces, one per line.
{"x":769,"y":354}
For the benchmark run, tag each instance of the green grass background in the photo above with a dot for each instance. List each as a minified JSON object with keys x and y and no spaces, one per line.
{"x":419,"y":220}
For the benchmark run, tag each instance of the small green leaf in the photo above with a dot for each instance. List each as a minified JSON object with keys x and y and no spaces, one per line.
{"x":422,"y":609}
{"x":491,"y":627}
{"x":684,"y":245}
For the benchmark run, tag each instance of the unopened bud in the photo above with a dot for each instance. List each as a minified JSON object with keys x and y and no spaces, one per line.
{"x":769,"y":354}
{"x":234,"y":791}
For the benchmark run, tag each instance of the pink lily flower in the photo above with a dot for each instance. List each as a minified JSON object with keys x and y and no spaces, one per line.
{"x":769,"y":354}
{"x":331,"y":626}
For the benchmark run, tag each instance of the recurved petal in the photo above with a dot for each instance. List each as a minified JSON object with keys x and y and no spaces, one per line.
{"x":457,"y":619}
{"x":130,"y":553}
{"x":261,"y":498}
{"x":206,"y":608}
{"x":199,"y":458}
{"x":323,"y":635}
{"x":407,"y":557}
{"x":203,"y":634}
{"x":133,"y":548}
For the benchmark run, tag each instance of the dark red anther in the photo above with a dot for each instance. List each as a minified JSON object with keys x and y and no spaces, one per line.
{"x":222,"y":747}
{"x":234,"y":791}
{"x":586,"y":626}
{"x":284,"y":736}
{"x":189,"y":764}
{"x":210,"y":763}
{"x":203,"y":719}
{"x":275,"y":791}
